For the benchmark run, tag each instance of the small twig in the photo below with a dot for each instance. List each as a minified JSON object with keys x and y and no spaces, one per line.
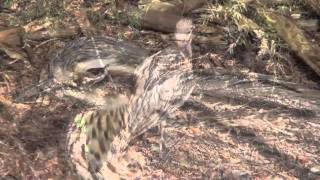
{"x":45,"y":42}
{"x":1,"y":142}
{"x":7,"y":81}
{"x":277,"y":129}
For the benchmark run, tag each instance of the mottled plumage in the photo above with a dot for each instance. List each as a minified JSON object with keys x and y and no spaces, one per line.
{"x":75,"y":63}
{"x":162,"y":86}
{"x":103,"y":125}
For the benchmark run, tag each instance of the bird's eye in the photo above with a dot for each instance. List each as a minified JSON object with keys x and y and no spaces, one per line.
{"x":95,"y":72}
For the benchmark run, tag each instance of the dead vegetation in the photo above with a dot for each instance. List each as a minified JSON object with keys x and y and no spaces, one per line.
{"x":264,"y":126}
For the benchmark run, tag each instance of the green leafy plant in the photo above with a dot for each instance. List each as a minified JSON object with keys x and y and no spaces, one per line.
{"x":8,"y":2}
{"x":80,"y":121}
{"x":42,"y":8}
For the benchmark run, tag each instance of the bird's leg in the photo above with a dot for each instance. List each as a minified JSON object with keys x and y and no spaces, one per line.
{"x":162,"y":139}
{"x":94,"y":165}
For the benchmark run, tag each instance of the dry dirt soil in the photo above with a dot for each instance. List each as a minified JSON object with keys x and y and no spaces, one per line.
{"x":217,"y":139}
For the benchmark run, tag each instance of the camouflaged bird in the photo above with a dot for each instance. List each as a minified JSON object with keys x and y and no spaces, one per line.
{"x":162,"y":86}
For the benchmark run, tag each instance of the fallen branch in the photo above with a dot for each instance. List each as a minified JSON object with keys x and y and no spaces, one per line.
{"x":296,"y":39}
{"x":163,"y":16}
{"x":257,"y":89}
